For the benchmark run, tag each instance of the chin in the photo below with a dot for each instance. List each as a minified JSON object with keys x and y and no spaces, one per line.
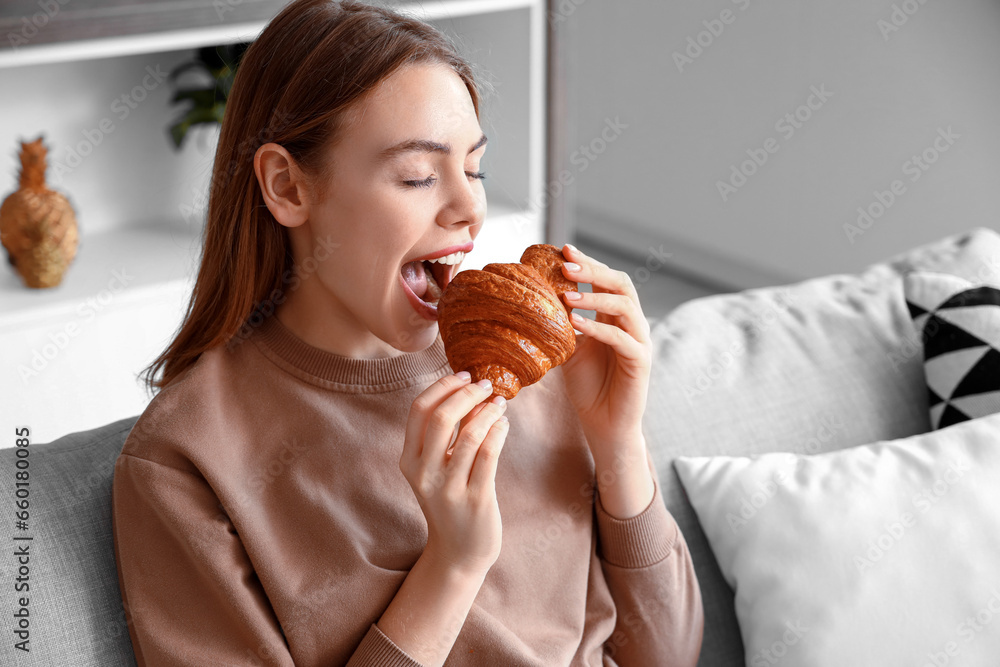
{"x":416,"y":338}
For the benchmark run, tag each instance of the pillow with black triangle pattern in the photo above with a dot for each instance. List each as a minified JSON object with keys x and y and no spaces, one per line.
{"x":959,"y":325}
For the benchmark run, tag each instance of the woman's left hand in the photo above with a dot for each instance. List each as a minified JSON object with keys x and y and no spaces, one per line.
{"x":607,"y":378}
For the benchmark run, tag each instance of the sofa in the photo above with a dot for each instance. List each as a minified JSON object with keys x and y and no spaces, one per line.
{"x":811,"y":367}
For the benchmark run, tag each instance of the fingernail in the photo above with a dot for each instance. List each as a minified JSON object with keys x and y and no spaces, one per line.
{"x":573,"y":296}
{"x":499,"y":400}
{"x":485,"y":384}
{"x":572,"y":247}
{"x":463,"y":375}
{"x":503,"y":419}
{"x":571,"y":266}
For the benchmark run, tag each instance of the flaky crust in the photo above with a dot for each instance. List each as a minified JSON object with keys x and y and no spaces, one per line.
{"x":507,"y":322}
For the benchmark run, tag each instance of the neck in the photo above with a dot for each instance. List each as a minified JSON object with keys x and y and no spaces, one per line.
{"x":325,"y":323}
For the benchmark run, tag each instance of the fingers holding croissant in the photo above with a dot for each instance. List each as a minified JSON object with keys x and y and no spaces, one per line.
{"x":613,"y":297}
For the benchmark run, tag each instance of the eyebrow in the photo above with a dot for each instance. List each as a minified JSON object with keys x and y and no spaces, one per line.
{"x":422,"y":146}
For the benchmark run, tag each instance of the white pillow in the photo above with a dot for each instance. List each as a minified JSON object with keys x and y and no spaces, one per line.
{"x":883,"y":554}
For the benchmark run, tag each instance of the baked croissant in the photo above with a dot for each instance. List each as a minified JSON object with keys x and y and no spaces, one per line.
{"x":507,"y":323}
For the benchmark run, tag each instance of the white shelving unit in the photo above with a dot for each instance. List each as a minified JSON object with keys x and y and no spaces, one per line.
{"x":70,"y":355}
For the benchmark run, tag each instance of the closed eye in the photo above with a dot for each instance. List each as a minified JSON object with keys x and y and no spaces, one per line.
{"x":430,"y":180}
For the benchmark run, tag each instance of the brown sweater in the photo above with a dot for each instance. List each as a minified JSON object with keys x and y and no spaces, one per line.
{"x":260,"y":518}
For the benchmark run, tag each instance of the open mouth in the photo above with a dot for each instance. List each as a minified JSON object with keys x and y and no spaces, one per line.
{"x":425,"y":281}
{"x":438,"y":277}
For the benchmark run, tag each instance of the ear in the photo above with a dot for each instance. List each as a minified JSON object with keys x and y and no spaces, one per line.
{"x":282,"y":184}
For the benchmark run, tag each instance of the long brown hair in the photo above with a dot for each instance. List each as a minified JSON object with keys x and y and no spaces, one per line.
{"x":293,"y":86}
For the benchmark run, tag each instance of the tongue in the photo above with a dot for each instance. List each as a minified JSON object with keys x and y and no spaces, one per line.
{"x":415,"y":278}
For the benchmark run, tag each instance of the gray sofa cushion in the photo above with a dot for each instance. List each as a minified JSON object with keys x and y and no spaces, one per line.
{"x":812,"y":367}
{"x":76,"y":612}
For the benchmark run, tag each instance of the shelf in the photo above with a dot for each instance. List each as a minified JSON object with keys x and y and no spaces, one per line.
{"x":87,"y":29}
{"x":110,"y":266}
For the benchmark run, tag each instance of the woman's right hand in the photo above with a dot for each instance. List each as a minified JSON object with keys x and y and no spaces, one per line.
{"x":456,"y":491}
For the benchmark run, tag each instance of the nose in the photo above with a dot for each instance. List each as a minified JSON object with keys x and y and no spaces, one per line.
{"x":465,"y":203}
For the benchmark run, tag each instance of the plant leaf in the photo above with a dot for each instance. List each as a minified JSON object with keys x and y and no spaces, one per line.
{"x":194,"y":116}
{"x":202,"y":97}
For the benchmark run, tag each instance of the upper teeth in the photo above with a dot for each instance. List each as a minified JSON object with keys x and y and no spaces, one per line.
{"x":453,"y":258}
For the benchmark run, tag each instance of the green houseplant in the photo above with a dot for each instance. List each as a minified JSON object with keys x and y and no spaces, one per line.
{"x":216,"y":66}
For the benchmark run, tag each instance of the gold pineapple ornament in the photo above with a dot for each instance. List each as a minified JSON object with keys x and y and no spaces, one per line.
{"x":37,"y":225}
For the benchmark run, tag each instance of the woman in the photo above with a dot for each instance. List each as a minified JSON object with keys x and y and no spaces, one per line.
{"x":291,"y":495}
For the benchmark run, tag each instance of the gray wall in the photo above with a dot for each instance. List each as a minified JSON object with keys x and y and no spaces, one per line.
{"x":690,"y":121}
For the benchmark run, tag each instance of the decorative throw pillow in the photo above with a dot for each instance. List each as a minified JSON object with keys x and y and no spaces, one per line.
{"x":881,"y":554}
{"x":959,"y":324}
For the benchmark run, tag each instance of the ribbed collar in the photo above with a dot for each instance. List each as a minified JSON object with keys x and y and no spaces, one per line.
{"x":289,"y":351}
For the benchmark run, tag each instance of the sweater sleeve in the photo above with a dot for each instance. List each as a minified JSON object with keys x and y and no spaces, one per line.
{"x":190,"y":591}
{"x":651,"y":577}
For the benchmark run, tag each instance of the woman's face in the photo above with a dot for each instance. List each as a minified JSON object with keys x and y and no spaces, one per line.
{"x":387,"y":205}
